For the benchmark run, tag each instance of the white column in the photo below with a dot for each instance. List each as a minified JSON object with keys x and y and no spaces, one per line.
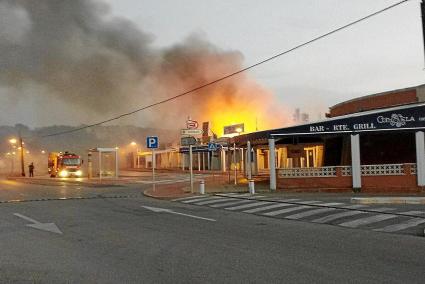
{"x":272,"y":164}
{"x":248,"y":160}
{"x":355,"y":161}
{"x":100,"y":164}
{"x":183,"y":158}
{"x":208,"y":160}
{"x":223,"y":160}
{"x":242,"y":161}
{"x":199,"y":161}
{"x":116,"y":163}
{"x":420,"y":157}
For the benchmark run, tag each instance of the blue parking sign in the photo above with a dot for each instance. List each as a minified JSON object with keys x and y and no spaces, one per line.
{"x":152,"y":142}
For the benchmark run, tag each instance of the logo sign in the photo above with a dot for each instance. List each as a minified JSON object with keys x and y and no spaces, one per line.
{"x":397,"y":120}
{"x":152,"y":142}
{"x":191,"y":131}
{"x":191,"y":124}
{"x":186,"y":141}
{"x":236,"y":128}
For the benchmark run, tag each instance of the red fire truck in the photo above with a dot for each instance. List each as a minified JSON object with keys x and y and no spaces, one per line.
{"x":64,"y":164}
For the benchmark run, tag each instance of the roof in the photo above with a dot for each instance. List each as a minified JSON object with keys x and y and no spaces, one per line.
{"x":377,"y":95}
{"x":406,"y":117}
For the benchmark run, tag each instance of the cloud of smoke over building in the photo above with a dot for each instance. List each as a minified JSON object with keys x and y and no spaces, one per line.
{"x":76,"y":53}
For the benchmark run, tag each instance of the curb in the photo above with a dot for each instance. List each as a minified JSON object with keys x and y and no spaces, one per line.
{"x":388,"y":200}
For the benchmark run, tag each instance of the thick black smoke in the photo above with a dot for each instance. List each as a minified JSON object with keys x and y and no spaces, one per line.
{"x":74,"y":51}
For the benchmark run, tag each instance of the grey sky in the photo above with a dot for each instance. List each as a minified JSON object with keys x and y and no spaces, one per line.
{"x":380,"y":54}
{"x":383,"y":53}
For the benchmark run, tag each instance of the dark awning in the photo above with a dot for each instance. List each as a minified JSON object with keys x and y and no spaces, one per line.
{"x":401,"y":118}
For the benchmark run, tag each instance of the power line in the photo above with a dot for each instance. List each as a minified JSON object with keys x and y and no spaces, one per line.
{"x":231,"y":74}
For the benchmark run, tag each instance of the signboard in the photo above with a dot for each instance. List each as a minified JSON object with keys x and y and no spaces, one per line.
{"x":152,"y":142}
{"x":205,"y":132}
{"x":232,"y":129}
{"x":191,"y":132}
{"x":213,"y":146}
{"x":191,"y":124}
{"x":186,"y":141}
{"x":400,"y":118}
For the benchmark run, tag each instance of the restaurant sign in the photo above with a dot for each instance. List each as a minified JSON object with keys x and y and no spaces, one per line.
{"x":401,"y":118}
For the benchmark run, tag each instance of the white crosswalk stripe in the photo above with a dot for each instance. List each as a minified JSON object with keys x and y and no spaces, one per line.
{"x":414,"y":213}
{"x":213,"y":201}
{"x":309,"y":213}
{"x":402,"y":226}
{"x":247,"y":205}
{"x":189,"y":197}
{"x":309,"y":202}
{"x":265,"y":208}
{"x":367,"y":220}
{"x":201,"y":199}
{"x":230,"y":203}
{"x":333,"y":211}
{"x":337,"y":216}
{"x":287,"y":210}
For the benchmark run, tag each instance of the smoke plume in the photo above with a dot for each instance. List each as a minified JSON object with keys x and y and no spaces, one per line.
{"x":75,"y":52}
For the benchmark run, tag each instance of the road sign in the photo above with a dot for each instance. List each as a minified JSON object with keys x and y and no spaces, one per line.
{"x":191,"y":131}
{"x":191,"y":124}
{"x":213,"y":146}
{"x":189,"y":140}
{"x":152,"y":142}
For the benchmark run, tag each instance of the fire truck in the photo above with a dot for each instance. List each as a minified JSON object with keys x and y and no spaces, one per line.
{"x":64,"y":164}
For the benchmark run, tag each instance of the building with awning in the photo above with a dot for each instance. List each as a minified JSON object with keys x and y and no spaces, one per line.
{"x":380,"y":147}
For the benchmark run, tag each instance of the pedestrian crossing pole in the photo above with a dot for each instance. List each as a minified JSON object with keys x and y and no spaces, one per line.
{"x":153,"y":168}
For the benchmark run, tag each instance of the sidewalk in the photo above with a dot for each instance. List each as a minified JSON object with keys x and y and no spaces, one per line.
{"x":262,"y":188}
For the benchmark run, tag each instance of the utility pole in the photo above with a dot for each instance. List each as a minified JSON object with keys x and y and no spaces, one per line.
{"x":22,"y":155}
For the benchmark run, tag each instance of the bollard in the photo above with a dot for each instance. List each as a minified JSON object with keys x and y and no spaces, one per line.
{"x":202,"y":187}
{"x":251,"y":186}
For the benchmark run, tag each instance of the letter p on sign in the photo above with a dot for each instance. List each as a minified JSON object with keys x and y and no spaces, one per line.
{"x":152,"y":142}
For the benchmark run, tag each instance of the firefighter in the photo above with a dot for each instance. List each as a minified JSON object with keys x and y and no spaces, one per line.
{"x":31,"y":169}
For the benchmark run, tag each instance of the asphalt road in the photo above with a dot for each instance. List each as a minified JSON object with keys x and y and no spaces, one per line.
{"x":117,"y":240}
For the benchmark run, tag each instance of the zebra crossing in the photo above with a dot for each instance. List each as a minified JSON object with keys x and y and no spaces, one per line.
{"x":379,"y":219}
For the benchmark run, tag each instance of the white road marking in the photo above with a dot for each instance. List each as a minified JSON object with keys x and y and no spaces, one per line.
{"x":189,"y":197}
{"x":330,"y":204}
{"x":415,"y":213}
{"x":309,"y":202}
{"x":49,"y":227}
{"x":336,"y":216}
{"x":287,"y":210}
{"x":265,"y":208}
{"x":383,"y":209}
{"x":201,"y":199}
{"x":214,"y":201}
{"x":247,"y":205}
{"x":367,"y":220}
{"x":357,"y":206}
{"x":230,"y":203}
{"x":398,"y":227}
{"x":164,"y":210}
{"x":309,"y":213}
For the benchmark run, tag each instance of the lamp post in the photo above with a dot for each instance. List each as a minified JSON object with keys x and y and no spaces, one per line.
{"x":22,"y":156}
{"x":137,"y":159}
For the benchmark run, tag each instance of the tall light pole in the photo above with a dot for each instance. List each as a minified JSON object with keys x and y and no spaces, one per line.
{"x":22,"y":156}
